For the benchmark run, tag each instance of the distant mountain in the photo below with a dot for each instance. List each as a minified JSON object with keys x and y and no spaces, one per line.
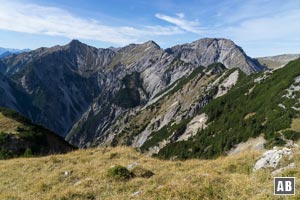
{"x":278,"y":61}
{"x":6,"y":51}
{"x":88,"y":95}
{"x":20,"y":137}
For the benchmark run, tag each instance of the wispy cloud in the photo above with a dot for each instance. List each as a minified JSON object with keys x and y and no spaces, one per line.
{"x":277,"y":27}
{"x":182,"y":23}
{"x":274,"y":34}
{"x":36,"y":19}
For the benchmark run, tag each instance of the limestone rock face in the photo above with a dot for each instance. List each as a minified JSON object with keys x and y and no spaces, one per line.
{"x":193,"y":126}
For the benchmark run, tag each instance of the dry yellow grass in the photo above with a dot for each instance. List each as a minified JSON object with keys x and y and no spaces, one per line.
{"x":8,"y":125}
{"x":295,"y":125}
{"x":223,"y":178}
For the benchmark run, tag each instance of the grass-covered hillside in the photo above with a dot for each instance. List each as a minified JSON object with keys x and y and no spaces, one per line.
{"x":20,"y":137}
{"x":90,"y":175}
{"x":267,"y":103}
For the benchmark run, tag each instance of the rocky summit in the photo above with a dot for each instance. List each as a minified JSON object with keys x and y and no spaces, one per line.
{"x":123,"y":95}
{"x":207,"y":51}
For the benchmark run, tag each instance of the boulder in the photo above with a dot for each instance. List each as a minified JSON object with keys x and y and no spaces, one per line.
{"x":272,"y":158}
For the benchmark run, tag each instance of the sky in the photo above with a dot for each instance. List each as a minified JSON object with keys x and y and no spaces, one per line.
{"x":260,"y":27}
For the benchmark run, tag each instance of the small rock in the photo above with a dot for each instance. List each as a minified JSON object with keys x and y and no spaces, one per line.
{"x":80,"y":181}
{"x":77,"y":183}
{"x":131,"y":166}
{"x":290,"y":166}
{"x":291,"y":144}
{"x":136,"y":193}
{"x":67,"y":173}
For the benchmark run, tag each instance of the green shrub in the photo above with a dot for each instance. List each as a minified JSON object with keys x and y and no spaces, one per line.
{"x":20,"y":129}
{"x":276,"y":141}
{"x":28,"y":153}
{"x":3,"y":137}
{"x":119,"y":172}
{"x":4,"y":154}
{"x":291,"y":135}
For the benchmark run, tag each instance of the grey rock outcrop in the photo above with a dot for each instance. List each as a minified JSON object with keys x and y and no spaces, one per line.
{"x":272,"y":158}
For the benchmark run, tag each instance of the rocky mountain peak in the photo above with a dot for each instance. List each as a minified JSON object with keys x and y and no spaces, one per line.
{"x":77,"y":46}
{"x":211,"y":50}
{"x":75,"y":42}
{"x":139,"y":48}
{"x":151,"y":43}
{"x":218,"y":43}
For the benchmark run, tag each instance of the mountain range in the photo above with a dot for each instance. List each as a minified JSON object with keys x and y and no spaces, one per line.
{"x":7,"y":51}
{"x":166,"y":102}
{"x":278,"y":61}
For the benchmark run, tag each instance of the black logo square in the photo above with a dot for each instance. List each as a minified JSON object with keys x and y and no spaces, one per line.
{"x":284,"y":185}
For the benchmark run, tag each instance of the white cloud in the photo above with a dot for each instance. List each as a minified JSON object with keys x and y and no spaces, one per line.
{"x":36,"y":19}
{"x":265,"y":35}
{"x":179,"y":21}
{"x":283,"y":26}
{"x":180,"y":15}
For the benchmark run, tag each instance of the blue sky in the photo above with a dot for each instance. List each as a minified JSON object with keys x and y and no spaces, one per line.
{"x":260,"y":27}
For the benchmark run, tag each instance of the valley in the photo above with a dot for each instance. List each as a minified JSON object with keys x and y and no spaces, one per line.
{"x":165,"y":103}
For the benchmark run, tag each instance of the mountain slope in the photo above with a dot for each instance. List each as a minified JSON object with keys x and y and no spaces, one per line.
{"x":80,"y":91}
{"x":212,"y":110}
{"x":135,"y":75}
{"x":175,"y":104}
{"x":262,"y":104}
{"x":57,"y":82}
{"x":13,"y":97}
{"x":19,"y":137}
